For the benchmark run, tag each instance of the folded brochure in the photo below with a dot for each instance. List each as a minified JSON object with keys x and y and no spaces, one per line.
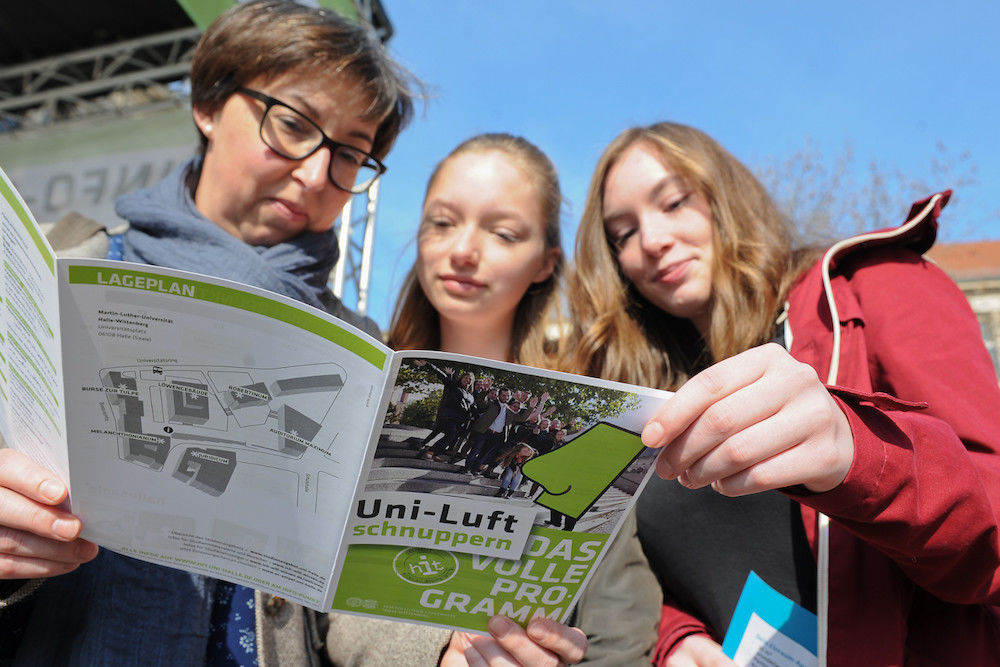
{"x":226,"y":430}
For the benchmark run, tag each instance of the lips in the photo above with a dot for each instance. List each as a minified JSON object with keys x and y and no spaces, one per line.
{"x":291,"y":210}
{"x":459,"y":284}
{"x":673,"y":272}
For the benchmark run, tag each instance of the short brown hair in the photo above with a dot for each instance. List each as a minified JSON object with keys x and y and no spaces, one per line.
{"x":268,"y":38}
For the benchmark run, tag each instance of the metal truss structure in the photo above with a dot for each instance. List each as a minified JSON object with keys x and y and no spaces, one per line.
{"x":123,"y":78}
{"x":139,"y":75}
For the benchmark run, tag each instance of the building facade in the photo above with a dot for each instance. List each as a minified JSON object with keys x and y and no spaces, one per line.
{"x":976,"y":269}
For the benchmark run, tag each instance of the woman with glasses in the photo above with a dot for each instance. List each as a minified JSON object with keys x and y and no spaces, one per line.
{"x":295,"y":108}
{"x":836,"y":421}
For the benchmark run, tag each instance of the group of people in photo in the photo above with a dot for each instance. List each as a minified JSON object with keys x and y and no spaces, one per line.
{"x":835,"y":425}
{"x":484,"y":427}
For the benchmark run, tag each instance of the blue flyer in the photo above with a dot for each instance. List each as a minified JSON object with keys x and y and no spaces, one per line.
{"x":769,"y":630}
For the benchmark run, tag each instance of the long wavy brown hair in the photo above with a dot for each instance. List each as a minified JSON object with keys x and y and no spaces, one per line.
{"x":618,"y":334}
{"x":415,"y":322}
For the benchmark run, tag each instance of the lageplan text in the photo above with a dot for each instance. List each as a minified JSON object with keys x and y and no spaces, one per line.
{"x":442,"y":522}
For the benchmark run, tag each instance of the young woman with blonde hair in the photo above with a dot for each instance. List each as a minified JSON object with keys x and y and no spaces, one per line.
{"x":485,"y":278}
{"x":441,"y":305}
{"x":853,"y":465}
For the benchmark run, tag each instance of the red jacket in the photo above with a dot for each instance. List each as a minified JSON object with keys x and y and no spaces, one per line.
{"x":914,"y":551}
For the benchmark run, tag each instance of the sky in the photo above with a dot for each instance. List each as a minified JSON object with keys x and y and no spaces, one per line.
{"x":893,"y":80}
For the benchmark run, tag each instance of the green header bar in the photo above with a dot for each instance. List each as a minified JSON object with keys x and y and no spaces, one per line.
{"x":203,"y":12}
{"x":22,"y":214}
{"x":227,"y":296}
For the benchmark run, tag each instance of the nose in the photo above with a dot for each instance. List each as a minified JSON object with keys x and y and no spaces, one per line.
{"x":655,"y":234}
{"x":465,"y":250}
{"x":313,"y":171}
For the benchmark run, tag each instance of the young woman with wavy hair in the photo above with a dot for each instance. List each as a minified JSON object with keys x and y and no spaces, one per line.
{"x":752,"y":242}
{"x":853,"y":465}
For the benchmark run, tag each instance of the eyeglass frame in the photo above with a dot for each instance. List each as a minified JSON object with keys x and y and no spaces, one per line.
{"x":326,"y":141}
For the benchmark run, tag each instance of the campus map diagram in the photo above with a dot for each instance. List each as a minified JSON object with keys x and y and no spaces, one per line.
{"x":200,"y":423}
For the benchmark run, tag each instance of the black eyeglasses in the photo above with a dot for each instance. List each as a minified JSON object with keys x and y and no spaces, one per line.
{"x":293,"y":135}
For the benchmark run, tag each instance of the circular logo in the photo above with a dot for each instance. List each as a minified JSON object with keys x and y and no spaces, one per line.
{"x":425,"y":567}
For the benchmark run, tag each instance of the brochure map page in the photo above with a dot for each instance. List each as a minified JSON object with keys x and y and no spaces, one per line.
{"x":430,"y":543}
{"x":214,"y":427}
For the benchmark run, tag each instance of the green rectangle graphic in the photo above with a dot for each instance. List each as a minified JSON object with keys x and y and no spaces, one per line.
{"x":465,"y":590}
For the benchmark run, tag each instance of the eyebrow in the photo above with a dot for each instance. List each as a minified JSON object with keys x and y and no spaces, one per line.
{"x":440,"y":203}
{"x":500,"y":214}
{"x":665,"y":183}
{"x":655,"y":192}
{"x":303,"y":106}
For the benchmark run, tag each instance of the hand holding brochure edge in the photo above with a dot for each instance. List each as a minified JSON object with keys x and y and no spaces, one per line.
{"x":543,"y":641}
{"x":41,"y":539}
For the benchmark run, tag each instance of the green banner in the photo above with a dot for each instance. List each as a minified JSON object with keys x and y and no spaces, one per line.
{"x":203,"y":12}
{"x":227,"y":296}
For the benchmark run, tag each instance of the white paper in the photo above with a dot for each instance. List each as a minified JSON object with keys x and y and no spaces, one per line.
{"x":763,"y":645}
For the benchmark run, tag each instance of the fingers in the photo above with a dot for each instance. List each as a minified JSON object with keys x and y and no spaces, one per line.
{"x":55,"y":558}
{"x":756,"y":421}
{"x":21,"y":474}
{"x":698,"y":651}
{"x":568,"y":643}
{"x":37,"y":539}
{"x":703,"y":390}
{"x":724,"y":421}
{"x":545,"y":643}
{"x":750,"y":425}
{"x":460,"y":652}
{"x":21,"y":544}
{"x":800,"y":444}
{"x":28,"y":495}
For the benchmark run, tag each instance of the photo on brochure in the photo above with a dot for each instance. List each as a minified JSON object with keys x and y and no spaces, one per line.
{"x":492,"y":491}
{"x":474,"y":431}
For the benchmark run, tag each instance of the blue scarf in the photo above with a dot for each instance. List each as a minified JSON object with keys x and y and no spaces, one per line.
{"x":166,"y":229}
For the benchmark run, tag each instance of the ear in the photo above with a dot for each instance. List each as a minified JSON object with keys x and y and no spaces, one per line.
{"x":204,"y":121}
{"x":549,"y":265}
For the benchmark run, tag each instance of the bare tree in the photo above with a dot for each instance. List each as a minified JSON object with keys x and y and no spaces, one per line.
{"x":831,"y":196}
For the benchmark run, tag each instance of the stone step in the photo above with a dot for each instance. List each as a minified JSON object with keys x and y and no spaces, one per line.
{"x":406,"y":440}
{"x":430,"y":486}
{"x":388,"y":473}
{"x":393,"y":451}
{"x":423,"y":464}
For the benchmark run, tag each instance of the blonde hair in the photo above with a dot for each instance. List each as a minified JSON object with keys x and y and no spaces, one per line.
{"x":753,"y":268}
{"x":415,"y":322}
